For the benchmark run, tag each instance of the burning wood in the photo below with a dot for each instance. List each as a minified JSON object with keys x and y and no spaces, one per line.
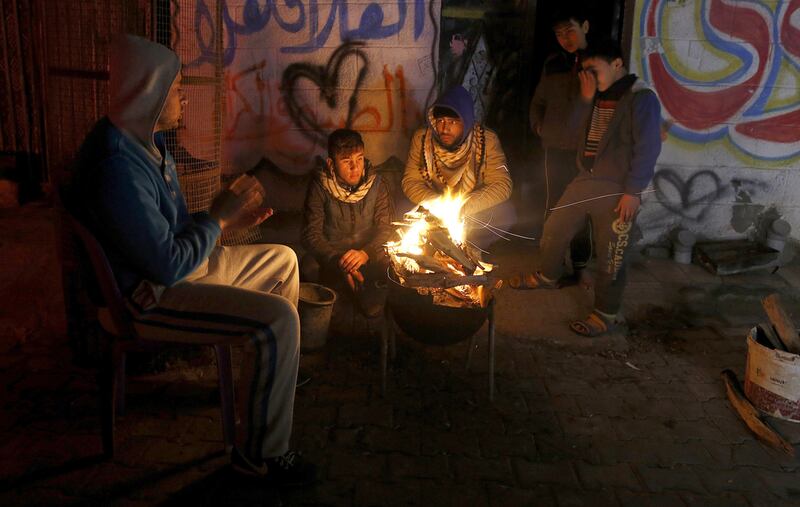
{"x":439,"y":239}
{"x":430,"y":256}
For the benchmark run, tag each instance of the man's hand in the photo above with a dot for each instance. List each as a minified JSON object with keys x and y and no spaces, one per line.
{"x":628,"y":204}
{"x":241,"y":204}
{"x":352,"y":260}
{"x":588,"y":85}
{"x":355,"y":280}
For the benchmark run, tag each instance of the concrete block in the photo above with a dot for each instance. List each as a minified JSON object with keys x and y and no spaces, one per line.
{"x":665,"y":479}
{"x":426,"y":467}
{"x":594,"y":477}
{"x":483,"y":469}
{"x":532,"y":474}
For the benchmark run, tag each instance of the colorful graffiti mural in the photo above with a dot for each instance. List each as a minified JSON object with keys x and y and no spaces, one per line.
{"x":294,"y":70}
{"x":729,"y":71}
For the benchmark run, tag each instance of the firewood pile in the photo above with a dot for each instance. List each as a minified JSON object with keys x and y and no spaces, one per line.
{"x":428,"y":259}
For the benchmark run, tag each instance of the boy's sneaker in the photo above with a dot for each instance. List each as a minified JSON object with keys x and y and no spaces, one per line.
{"x":287,"y":470}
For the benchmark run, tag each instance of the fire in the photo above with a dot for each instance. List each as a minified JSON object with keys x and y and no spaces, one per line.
{"x":447,"y":208}
{"x":432,"y":255}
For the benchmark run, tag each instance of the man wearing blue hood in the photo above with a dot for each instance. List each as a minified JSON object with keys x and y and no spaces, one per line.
{"x":454,"y":152}
{"x":178,"y":284}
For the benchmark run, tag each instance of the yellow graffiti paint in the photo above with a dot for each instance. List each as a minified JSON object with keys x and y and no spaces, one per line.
{"x":786,"y":90}
{"x":747,"y":161}
{"x":727,"y":64}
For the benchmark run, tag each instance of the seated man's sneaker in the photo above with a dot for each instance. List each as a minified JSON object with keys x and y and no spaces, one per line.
{"x":287,"y":470}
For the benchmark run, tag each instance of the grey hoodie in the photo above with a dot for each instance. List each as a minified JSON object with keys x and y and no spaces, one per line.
{"x":141,"y":75}
{"x":126,"y":179}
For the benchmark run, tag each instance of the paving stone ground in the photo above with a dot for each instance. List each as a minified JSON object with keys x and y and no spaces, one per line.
{"x":640,"y":420}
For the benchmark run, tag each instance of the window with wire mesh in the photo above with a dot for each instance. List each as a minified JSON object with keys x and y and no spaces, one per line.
{"x":196,"y":145}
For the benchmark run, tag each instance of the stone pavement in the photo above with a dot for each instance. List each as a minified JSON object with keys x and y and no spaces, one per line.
{"x":622,"y":421}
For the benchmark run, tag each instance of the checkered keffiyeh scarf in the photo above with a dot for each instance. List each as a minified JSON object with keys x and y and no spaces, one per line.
{"x":457,"y":169}
{"x":345,"y":194}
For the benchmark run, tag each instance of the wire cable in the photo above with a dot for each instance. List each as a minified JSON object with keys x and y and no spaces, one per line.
{"x":546,"y":186}
{"x":492,"y":229}
{"x":497,"y":231}
{"x":596,"y":198}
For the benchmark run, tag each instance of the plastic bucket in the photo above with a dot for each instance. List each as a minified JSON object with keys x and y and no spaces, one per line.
{"x":315,"y":309}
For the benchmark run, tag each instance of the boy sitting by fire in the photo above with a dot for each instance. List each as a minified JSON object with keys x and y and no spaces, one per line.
{"x":620,"y":118}
{"x":348,"y":215}
{"x":454,"y":152}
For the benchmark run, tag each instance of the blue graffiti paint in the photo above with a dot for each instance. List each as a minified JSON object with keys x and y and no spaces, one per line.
{"x":256,"y":15}
{"x":370,"y":25}
{"x":419,"y":18}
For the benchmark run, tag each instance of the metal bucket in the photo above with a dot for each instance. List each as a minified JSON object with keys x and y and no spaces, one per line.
{"x":315,"y":309}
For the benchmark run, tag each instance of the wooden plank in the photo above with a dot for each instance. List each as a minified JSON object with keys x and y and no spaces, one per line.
{"x":426,"y":262}
{"x":442,"y":280}
{"x":772,"y":336}
{"x":738,"y":256}
{"x":750,"y":415}
{"x":787,"y":332}
{"x":440,"y":240}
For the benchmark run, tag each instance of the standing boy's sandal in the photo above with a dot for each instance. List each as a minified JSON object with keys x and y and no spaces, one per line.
{"x":530,"y":281}
{"x":594,"y":325}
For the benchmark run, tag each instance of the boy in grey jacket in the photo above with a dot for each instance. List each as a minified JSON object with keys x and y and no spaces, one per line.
{"x":619,"y":118}
{"x":348,"y":217}
{"x":552,"y":103}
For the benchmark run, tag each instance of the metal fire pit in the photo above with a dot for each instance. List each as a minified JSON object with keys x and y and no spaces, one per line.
{"x":417,"y":316}
{"x":432,"y":324}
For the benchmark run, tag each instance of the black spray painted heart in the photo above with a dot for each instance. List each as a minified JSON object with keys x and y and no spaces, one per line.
{"x":327,"y":78}
{"x":691,"y":198}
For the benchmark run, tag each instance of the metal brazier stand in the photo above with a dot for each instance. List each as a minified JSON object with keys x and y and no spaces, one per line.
{"x":417,"y":316}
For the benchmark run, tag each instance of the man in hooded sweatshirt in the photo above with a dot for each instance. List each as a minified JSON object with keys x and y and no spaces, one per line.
{"x":454,"y":152}
{"x":620,"y":121}
{"x":179,"y":285}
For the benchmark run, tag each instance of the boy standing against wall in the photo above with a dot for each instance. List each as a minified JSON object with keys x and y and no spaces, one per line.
{"x":348,"y":215}
{"x":619,"y":118}
{"x":554,"y":99}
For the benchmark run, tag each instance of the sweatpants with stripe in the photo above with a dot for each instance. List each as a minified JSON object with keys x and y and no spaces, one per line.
{"x":611,"y":236}
{"x":248,"y":295}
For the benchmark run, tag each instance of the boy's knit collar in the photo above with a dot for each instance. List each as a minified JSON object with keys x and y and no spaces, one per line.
{"x":618,"y":89}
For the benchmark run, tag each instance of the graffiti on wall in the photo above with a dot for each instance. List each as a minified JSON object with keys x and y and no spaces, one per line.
{"x":294,"y":70}
{"x":704,"y":201}
{"x":296,"y":16}
{"x":483,"y":54}
{"x":729,"y":71}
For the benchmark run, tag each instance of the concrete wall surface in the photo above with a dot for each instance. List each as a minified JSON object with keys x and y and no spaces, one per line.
{"x":727,"y":73}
